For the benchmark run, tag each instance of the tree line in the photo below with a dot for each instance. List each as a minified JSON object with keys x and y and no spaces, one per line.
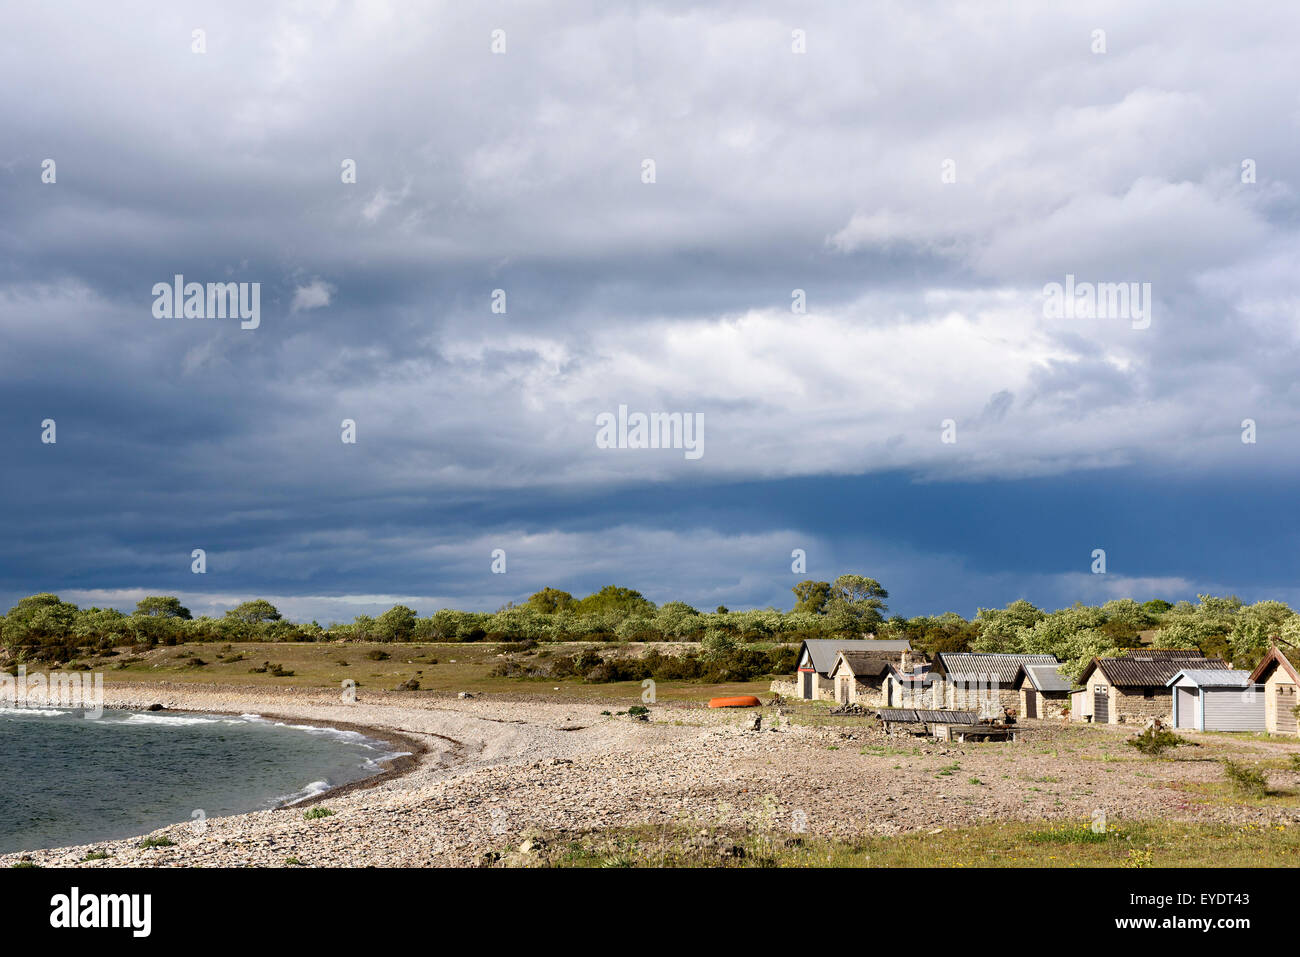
{"x":43,"y":627}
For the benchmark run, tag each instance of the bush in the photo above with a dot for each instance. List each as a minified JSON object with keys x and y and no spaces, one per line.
{"x":1246,"y":780}
{"x":1154,"y":741}
{"x":317,"y":812}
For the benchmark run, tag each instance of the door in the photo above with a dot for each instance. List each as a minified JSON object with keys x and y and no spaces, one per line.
{"x":1031,"y":703}
{"x":1286,"y":702}
{"x":1186,"y":707}
{"x":1100,"y":705}
{"x":844,"y":691}
{"x":805,"y":690}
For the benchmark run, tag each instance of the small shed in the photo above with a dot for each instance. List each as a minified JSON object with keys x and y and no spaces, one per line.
{"x":1278,"y":677}
{"x":982,"y":681}
{"x":1043,"y":692}
{"x":1136,"y":687}
{"x":817,"y":656}
{"x":858,"y":676}
{"x":911,"y":686}
{"x":1217,"y":700}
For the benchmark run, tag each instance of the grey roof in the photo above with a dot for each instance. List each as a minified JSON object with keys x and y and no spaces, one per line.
{"x":824,"y":651}
{"x":1140,"y":669}
{"x":973,"y":666}
{"x":866,"y":664}
{"x":926,"y":716}
{"x":1046,"y":678}
{"x":1208,"y":678}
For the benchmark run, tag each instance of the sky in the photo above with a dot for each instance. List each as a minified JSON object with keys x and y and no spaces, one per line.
{"x":828,"y":232}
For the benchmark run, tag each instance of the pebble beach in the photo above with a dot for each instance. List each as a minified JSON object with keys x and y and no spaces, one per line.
{"x":483,"y":775}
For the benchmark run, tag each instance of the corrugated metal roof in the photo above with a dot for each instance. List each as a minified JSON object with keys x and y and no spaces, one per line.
{"x":1209,"y":678}
{"x":973,"y":666}
{"x":824,"y":651}
{"x":924,"y":716}
{"x":947,"y":717}
{"x":1046,"y":678}
{"x":1143,"y":670}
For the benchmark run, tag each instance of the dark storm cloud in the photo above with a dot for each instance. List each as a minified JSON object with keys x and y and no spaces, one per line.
{"x":775,"y":172}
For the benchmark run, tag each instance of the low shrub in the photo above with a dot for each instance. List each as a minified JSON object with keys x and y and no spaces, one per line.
{"x":1154,"y":741}
{"x":1246,"y":780}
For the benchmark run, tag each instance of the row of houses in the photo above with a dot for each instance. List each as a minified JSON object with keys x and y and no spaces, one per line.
{"x":1177,"y":686}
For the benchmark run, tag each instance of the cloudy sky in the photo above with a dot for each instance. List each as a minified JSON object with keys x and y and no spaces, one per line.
{"x":921,"y":173}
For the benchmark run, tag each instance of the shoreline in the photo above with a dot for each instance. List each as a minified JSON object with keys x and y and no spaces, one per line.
{"x":391,"y":769}
{"x":497,"y":775}
{"x":406,"y":754}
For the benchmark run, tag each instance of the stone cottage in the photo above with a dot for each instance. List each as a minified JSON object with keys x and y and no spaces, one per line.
{"x":908,"y":684}
{"x":1278,"y":679}
{"x":818,"y":656}
{"x":1133,"y":688}
{"x":981,"y":682}
{"x":860,"y":675}
{"x":1044,"y":692}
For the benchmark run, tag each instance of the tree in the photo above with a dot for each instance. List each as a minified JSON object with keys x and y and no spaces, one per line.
{"x":548,"y":601}
{"x":396,"y":624}
{"x":162,"y":606}
{"x":40,"y":626}
{"x":812,"y":596}
{"x":999,"y":628}
{"x":620,"y":602}
{"x":855,"y":603}
{"x":254,"y":612}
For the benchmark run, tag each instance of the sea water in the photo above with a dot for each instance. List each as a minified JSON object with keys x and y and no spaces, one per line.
{"x":69,"y":779}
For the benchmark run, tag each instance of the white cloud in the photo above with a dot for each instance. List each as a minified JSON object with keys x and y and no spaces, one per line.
{"x":314,"y":295}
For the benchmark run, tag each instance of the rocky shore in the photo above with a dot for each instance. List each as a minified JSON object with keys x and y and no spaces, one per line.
{"x":487,"y":773}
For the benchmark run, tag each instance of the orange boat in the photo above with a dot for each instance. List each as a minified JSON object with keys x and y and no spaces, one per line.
{"x":739,"y":701}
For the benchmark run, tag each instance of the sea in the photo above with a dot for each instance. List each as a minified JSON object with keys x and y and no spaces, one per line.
{"x":67,"y":778}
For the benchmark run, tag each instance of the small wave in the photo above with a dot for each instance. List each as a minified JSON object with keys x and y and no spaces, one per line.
{"x":377,"y":764}
{"x":39,"y":712}
{"x":310,"y":791}
{"x":172,"y":719}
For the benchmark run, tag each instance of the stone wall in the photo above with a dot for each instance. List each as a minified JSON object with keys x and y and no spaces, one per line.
{"x":1136,"y":708}
{"x":785,"y":687}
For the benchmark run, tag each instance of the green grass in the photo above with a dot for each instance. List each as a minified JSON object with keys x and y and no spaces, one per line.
{"x":316,"y":813}
{"x":163,"y":841}
{"x":1069,"y":844}
{"x":438,"y":666}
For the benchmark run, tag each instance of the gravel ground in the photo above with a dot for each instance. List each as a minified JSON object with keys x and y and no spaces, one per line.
{"x":490,"y":771}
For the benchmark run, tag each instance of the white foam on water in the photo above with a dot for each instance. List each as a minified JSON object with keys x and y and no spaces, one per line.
{"x":172,"y":719}
{"x":310,"y":791}
{"x":39,"y":712}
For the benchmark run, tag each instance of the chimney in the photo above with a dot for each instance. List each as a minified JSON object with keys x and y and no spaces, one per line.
{"x":905,"y":662}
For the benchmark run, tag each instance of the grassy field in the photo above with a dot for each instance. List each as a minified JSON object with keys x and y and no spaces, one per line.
{"x":438,"y":667}
{"x":994,"y":845}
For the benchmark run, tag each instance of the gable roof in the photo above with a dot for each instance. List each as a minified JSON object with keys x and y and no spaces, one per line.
{"x":825,"y":651}
{"x":863,"y":663}
{"x":1274,"y":659}
{"x":1149,"y":668}
{"x":1044,"y":678}
{"x":1210,"y":678}
{"x":974,"y":666}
